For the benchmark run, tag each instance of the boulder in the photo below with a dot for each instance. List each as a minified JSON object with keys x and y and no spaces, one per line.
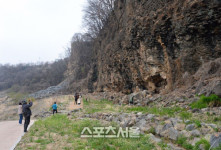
{"x":217,"y":89}
{"x":150,"y":116}
{"x":154,"y":139}
{"x":187,"y":121}
{"x":174,"y":121}
{"x":205,"y":131}
{"x":195,"y":110}
{"x":207,"y":137}
{"x":141,"y":123}
{"x":144,"y":93}
{"x":122,"y":117}
{"x":170,"y":133}
{"x":195,"y":133}
{"x":145,"y":128}
{"x":167,"y":126}
{"x":125,"y":100}
{"x":159,"y":129}
{"x":173,"y":147}
{"x":179,"y":127}
{"x":215,"y":140}
{"x":139,"y":113}
{"x":173,"y":134}
{"x":125,"y":122}
{"x":202,"y":147}
{"x":190,"y":127}
{"x":132,"y":121}
{"x":194,"y":141}
{"x":214,"y":126}
{"x":185,"y":133}
{"x":137,"y":97}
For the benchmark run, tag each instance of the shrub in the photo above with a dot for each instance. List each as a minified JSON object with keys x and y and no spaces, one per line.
{"x":185,"y":115}
{"x":152,"y":130}
{"x":182,"y":141}
{"x":199,"y":104}
{"x":204,"y":142}
{"x":205,"y":101}
{"x":212,"y":100}
{"x":217,"y":119}
{"x":197,"y":123}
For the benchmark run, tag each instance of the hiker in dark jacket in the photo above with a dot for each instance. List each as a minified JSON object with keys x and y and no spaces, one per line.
{"x":76,"y":98}
{"x":26,"y":113}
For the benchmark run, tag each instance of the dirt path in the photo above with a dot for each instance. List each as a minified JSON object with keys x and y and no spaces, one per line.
{"x":10,"y":134}
{"x":73,"y":106}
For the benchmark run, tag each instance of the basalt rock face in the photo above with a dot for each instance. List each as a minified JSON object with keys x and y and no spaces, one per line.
{"x":154,"y":44}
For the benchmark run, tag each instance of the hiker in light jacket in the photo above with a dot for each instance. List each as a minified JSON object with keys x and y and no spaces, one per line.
{"x":79,"y":100}
{"x":20,"y":113}
{"x":26,"y":113}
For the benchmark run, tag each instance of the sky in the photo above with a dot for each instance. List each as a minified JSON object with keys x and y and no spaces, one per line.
{"x":34,"y":31}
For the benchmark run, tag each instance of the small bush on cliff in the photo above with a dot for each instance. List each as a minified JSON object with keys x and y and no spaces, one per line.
{"x":205,"y":101}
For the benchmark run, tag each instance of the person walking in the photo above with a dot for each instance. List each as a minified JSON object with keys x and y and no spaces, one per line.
{"x":76,"y":98}
{"x":55,"y":107}
{"x":79,"y":100}
{"x":20,"y":113}
{"x":26,"y":113}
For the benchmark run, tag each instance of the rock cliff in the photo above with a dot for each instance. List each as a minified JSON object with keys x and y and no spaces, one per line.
{"x":154,"y":45}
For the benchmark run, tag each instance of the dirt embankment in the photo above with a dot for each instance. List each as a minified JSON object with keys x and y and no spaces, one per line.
{"x":40,"y":108}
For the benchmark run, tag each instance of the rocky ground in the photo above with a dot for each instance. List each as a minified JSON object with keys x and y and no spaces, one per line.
{"x":171,"y":127}
{"x":163,"y":127}
{"x":179,"y":130}
{"x":169,"y":124}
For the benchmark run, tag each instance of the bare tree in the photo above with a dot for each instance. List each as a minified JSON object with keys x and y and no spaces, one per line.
{"x":79,"y":41}
{"x":67,"y":51}
{"x":96,"y":15}
{"x":77,"y":37}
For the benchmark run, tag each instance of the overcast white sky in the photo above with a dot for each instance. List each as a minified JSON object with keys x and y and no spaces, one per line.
{"x":37,"y":30}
